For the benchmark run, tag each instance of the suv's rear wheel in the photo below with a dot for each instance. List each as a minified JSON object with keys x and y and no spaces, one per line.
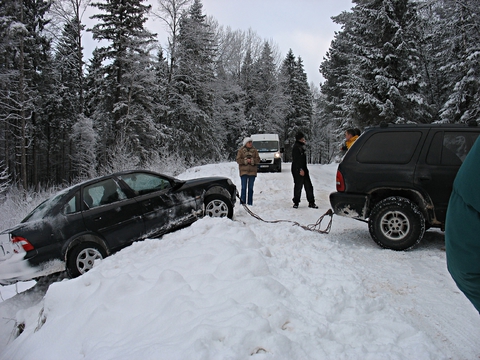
{"x":396,"y":223}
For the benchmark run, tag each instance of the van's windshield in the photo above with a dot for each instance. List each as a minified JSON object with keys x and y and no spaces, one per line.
{"x":266,"y":146}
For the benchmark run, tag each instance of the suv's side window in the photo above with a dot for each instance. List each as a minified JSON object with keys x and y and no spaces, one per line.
{"x":395,"y":147}
{"x":450,"y":148}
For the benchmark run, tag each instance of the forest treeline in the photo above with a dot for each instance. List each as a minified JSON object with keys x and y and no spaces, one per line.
{"x":135,"y":102}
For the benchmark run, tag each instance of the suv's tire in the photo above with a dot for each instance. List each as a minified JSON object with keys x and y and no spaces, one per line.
{"x":82,"y":258}
{"x":217,"y":205}
{"x":396,"y":223}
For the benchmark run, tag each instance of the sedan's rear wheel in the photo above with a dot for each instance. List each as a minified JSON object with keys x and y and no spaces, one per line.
{"x":218,"y":206}
{"x":82,"y":258}
{"x":396,"y":223}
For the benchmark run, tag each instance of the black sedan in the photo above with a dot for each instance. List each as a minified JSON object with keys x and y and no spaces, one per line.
{"x":91,"y":220}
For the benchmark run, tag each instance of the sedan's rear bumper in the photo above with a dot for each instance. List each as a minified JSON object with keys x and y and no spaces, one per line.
{"x":18,"y":269}
{"x":349,"y":205}
{"x":14,"y":267}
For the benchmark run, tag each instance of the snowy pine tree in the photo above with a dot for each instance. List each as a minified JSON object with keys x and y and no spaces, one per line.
{"x":459,"y":37}
{"x":191,"y":93}
{"x":24,"y":58}
{"x":298,"y":113}
{"x":375,"y":70}
{"x":386,"y":77}
{"x":126,"y":73}
{"x":335,"y":69}
{"x":66,"y":103}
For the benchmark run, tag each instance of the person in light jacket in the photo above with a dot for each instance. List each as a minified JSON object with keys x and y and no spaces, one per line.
{"x":462,"y":228}
{"x":247,"y":160}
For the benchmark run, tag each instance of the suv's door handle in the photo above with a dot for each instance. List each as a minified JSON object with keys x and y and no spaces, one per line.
{"x":424,"y":178}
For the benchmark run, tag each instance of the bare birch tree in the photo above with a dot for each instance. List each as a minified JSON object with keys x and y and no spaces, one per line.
{"x":170,"y":12}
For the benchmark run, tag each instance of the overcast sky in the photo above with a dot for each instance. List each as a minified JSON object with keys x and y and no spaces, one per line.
{"x":305,"y":26}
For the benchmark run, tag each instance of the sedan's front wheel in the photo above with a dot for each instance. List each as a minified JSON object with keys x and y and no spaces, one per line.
{"x":218,"y":206}
{"x":82,"y":258}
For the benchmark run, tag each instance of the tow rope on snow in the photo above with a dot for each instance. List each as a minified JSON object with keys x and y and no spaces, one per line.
{"x":312,"y":227}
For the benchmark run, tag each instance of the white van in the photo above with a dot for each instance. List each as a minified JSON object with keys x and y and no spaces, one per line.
{"x":268,"y":147}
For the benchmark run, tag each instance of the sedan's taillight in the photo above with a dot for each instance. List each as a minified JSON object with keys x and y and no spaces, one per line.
{"x":340,"y":182}
{"x":23,"y":242}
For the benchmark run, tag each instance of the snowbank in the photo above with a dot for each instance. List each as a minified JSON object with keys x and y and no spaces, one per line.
{"x":223,"y":289}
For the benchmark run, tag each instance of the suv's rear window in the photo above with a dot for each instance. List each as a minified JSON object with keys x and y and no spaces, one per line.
{"x":389,"y":147}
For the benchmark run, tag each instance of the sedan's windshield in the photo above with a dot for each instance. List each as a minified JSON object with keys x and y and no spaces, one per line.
{"x":143,"y":183}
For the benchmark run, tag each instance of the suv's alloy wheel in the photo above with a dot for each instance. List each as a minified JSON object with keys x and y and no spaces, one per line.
{"x":396,"y":223}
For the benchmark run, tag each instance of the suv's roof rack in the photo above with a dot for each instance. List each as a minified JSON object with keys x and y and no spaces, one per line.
{"x":469,"y":123}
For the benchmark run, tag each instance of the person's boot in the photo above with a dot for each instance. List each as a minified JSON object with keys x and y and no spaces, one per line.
{"x":313,"y":206}
{"x":295,"y":204}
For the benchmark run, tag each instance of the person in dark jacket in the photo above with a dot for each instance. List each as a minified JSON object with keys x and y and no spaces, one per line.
{"x":462,"y":228}
{"x":301,"y":176}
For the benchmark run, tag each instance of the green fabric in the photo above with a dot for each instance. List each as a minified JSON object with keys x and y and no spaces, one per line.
{"x":462,"y":228}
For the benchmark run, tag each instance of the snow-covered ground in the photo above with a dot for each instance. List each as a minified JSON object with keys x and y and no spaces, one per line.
{"x":223,"y":289}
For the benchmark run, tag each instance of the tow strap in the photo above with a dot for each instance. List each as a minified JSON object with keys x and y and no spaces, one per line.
{"x":312,"y":227}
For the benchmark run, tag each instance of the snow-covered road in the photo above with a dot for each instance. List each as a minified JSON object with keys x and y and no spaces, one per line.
{"x":248,"y":289}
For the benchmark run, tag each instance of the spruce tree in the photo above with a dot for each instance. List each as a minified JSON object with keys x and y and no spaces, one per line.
{"x":322,"y":145}
{"x":96,"y":100}
{"x":384,"y":81}
{"x":24,"y":60}
{"x":335,"y":69}
{"x":191,"y":94}
{"x":265,"y":100}
{"x":247,"y":85}
{"x":298,"y":115}
{"x":160,"y":102}
{"x":458,"y":36}
{"x":127,"y":71}
{"x":302,"y":97}
{"x":66,"y":103}
{"x":229,"y":112}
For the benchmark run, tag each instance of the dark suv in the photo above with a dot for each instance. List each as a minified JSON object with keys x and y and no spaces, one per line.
{"x":399,"y":179}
